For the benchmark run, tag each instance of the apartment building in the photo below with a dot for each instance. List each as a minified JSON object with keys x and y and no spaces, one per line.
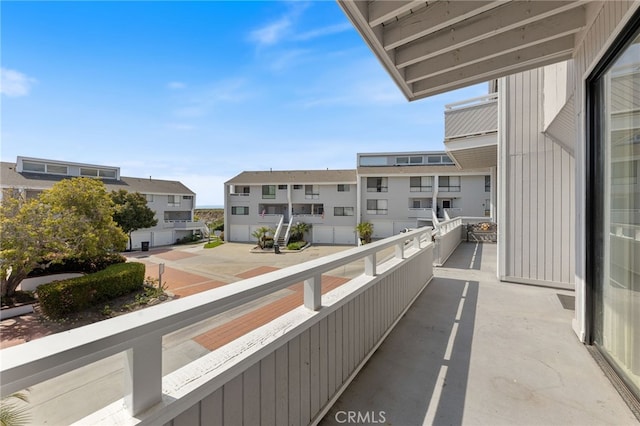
{"x":401,"y":190}
{"x":326,"y":199}
{"x":393,"y":191}
{"x":172,"y":202}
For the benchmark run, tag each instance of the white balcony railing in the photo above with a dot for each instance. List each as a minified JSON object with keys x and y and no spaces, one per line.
{"x":420,"y":213}
{"x":323,"y":344}
{"x":447,"y":236}
{"x":471,"y":117}
{"x":185,"y":224}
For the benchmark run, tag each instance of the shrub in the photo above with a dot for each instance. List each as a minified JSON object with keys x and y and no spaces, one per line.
{"x":63,"y":297}
{"x":87,"y":266}
{"x":296,"y":245}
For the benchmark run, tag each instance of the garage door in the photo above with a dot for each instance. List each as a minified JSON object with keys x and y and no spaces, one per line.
{"x":322,"y":234}
{"x":163,"y":238}
{"x":344,"y":235}
{"x":382,"y":229}
{"x":239,"y":233}
{"x":139,"y":236}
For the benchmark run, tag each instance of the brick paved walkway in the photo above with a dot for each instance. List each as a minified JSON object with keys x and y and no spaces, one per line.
{"x":233,"y":329}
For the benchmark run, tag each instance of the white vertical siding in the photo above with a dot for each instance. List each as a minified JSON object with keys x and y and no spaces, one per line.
{"x":539,"y":182}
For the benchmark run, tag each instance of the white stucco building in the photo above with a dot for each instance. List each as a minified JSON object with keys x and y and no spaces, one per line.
{"x":392,"y":190}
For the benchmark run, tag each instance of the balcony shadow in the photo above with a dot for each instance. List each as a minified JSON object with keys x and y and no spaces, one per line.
{"x":467,"y":256}
{"x":419,"y":374}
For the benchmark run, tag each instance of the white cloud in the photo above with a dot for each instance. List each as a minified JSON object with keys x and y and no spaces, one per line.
{"x":203,"y":100}
{"x":275,"y":31}
{"x":324,"y":31}
{"x":14,"y":83}
{"x":176,"y":85}
{"x":271,"y":33}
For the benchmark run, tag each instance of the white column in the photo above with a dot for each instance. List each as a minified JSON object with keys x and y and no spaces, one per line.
{"x":143,"y":375}
{"x":313,"y":293}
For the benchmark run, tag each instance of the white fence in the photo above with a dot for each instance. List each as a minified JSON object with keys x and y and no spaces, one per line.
{"x":289,"y":371}
{"x":447,"y":236}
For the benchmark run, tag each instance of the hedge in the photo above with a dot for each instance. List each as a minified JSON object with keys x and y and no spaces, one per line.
{"x":88,"y":266}
{"x":60,"y":298}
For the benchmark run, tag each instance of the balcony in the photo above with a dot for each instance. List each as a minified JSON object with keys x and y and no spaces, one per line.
{"x":472,"y":350}
{"x":471,"y":131}
{"x":506,"y":353}
{"x":420,"y":213}
{"x":185,"y":224}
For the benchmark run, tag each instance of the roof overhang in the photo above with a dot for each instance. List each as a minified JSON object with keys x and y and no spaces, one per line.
{"x":430,"y":47}
{"x":474,"y":152}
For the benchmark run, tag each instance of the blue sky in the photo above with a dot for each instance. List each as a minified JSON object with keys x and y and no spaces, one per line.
{"x":201,"y":91}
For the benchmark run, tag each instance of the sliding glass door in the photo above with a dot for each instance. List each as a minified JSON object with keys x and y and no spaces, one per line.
{"x":615,"y":163}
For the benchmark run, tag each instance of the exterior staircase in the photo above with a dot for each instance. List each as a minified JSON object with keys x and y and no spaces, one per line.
{"x":281,"y":238}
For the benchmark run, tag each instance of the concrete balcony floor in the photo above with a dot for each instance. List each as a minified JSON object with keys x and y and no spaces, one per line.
{"x":476,"y":351}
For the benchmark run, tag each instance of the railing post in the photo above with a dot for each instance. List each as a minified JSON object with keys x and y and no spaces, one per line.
{"x":370,"y":265}
{"x":416,"y":242}
{"x":143,"y":375}
{"x":400,"y":250}
{"x":313,"y":292}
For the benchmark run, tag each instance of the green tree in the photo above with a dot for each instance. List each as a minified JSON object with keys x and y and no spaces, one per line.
{"x":365,"y":231}
{"x":261,"y":233}
{"x":298,"y":230}
{"x":131,"y":212}
{"x":31,"y":238}
{"x":72,"y":219}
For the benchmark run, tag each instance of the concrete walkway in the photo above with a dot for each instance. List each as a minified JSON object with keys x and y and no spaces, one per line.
{"x":475,"y":351}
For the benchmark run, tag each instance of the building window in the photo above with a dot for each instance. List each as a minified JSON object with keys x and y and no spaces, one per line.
{"x":373,"y":161}
{"x":378,"y":207}
{"x":613,"y":206}
{"x":424,"y":203}
{"x":282,"y":186}
{"x":187,"y":197}
{"x":54,"y":169}
{"x":439,"y":159}
{"x":449,"y":183}
{"x":93,"y":172}
{"x":311,"y":192}
{"x":268,"y":191}
{"x":111,"y":174}
{"x":173,"y":200}
{"x":421,"y":184}
{"x":33,"y":167}
{"x":240,"y":211}
{"x":487,"y":184}
{"x":344,"y":187}
{"x":57,"y":169}
{"x":414,"y":159}
{"x":297,"y":186}
{"x":343,"y":211}
{"x":377,"y":184}
{"x":84,"y":171}
{"x":149,"y":198}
